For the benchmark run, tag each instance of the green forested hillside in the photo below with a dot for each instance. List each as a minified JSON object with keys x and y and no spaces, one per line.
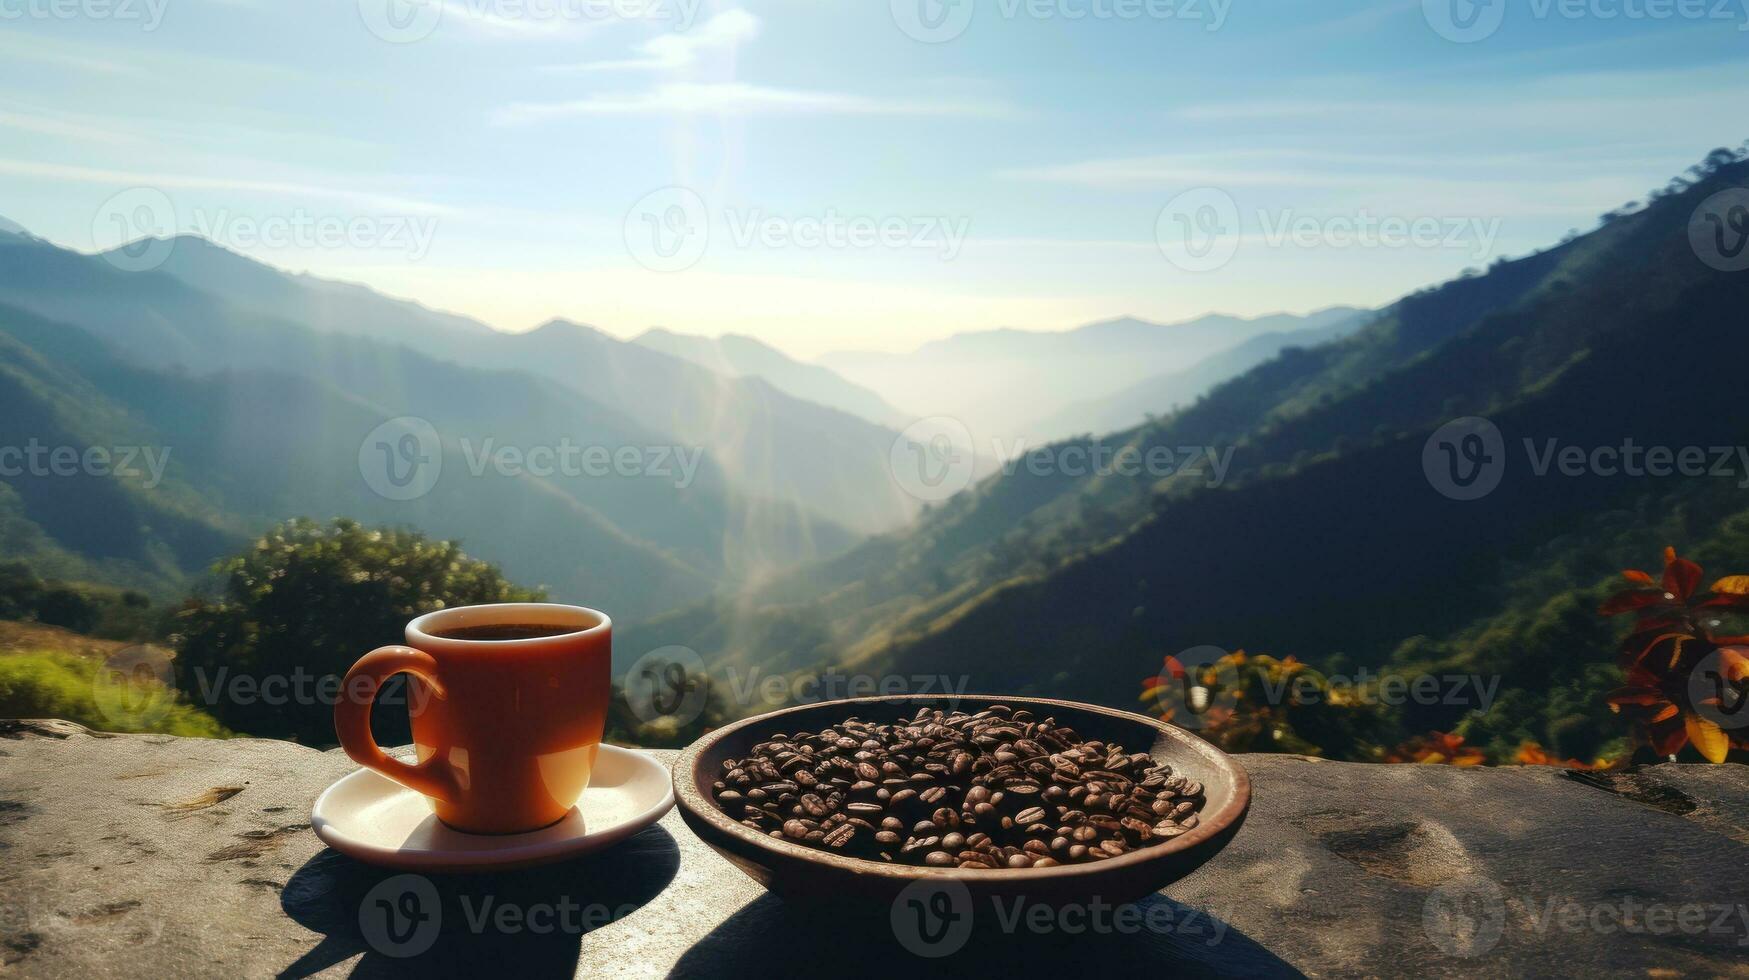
{"x":1327,"y":540}
{"x":245,"y":448}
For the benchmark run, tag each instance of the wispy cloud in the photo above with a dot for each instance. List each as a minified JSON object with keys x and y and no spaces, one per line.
{"x":163,"y":181}
{"x":529,"y":21}
{"x":675,"y":51}
{"x":736,"y":98}
{"x":62,"y":125}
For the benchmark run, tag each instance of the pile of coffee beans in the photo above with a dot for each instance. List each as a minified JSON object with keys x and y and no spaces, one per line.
{"x":995,"y":789}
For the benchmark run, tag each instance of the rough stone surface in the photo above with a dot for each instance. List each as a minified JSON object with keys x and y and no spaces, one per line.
{"x":157,"y":856}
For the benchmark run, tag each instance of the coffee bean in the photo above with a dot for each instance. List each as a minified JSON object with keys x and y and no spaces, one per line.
{"x":995,"y":789}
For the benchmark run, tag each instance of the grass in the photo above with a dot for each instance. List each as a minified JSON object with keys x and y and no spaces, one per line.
{"x":103,"y":685}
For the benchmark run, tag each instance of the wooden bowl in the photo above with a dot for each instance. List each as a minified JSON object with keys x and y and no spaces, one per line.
{"x":795,"y":871}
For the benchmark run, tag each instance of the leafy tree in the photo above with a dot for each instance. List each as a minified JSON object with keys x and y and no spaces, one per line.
{"x":20,"y":590}
{"x":304,"y":603}
{"x":68,"y":608}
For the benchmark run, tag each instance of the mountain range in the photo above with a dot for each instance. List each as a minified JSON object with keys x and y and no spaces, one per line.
{"x":1328,"y":537}
{"x":1300,"y":510}
{"x":263,"y":417}
{"x":1027,"y":386}
{"x":262,"y":384}
{"x":738,"y":356}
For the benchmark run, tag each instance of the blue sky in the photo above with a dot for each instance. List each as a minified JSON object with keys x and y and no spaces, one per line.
{"x":812,"y":174}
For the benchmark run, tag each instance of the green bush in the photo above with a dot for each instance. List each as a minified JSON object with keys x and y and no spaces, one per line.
{"x":97,"y":610}
{"x":303,"y":604}
{"x":50,"y":684}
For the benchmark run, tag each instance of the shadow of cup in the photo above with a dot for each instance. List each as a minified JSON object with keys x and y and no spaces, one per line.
{"x":522,"y":923}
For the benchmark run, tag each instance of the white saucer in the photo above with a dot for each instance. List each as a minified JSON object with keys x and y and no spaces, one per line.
{"x":375,"y":819}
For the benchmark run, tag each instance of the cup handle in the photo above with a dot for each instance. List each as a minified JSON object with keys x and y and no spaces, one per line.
{"x":432,"y":777}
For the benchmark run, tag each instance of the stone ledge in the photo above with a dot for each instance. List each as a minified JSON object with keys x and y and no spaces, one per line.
{"x":127,"y":855}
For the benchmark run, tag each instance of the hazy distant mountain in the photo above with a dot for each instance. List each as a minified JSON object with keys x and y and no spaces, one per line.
{"x":1007,"y":384}
{"x":738,"y":356}
{"x":271,"y":414}
{"x":1160,"y":394}
{"x":208,"y":309}
{"x":769,"y":443}
{"x":321,"y":304}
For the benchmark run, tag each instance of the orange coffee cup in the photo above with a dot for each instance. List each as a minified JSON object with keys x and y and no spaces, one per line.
{"x":506,"y":730}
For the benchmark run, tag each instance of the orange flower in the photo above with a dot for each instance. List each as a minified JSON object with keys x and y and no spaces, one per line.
{"x":1437,"y":748}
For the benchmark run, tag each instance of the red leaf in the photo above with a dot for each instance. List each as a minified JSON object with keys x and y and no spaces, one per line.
{"x":1670,"y":742}
{"x":1633,"y":599}
{"x":1681,"y":576}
